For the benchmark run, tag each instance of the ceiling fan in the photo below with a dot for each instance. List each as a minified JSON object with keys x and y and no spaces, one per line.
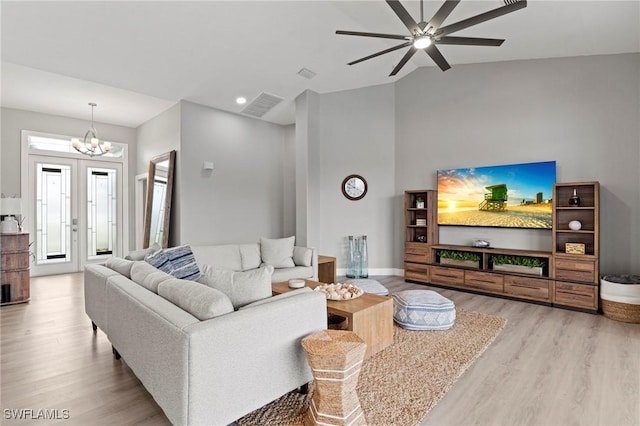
{"x":425,"y":35}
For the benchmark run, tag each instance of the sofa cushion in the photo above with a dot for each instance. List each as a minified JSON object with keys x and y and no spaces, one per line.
{"x":121,"y":266}
{"x":160,"y":260}
{"x":277,"y":252}
{"x":250,"y":256}
{"x":183,"y":263}
{"x":199,"y":300}
{"x":242,"y":287}
{"x":223,"y":257}
{"x":302,"y":256}
{"x":141,"y":254}
{"x":147,"y":276}
{"x":284,"y":274}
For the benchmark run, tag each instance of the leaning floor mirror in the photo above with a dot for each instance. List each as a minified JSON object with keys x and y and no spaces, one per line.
{"x":158,"y":203}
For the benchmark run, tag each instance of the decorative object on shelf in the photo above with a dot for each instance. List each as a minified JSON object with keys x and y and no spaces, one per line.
{"x":297,"y":283}
{"x":421,"y":238}
{"x":574,"y":200}
{"x":420,"y":203}
{"x":421,"y":222}
{"x":340,"y":291}
{"x":90,"y":144}
{"x":575,"y":225}
{"x":481,"y":243}
{"x":354,"y":187}
{"x":459,"y":258}
{"x":519,"y":264}
{"x":357,"y":258}
{"x":11,"y":208}
{"x":574,"y":248}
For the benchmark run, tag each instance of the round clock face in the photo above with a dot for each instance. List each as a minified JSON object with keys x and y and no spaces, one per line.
{"x":354,"y":187}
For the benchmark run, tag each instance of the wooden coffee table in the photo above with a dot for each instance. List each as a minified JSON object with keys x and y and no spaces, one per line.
{"x":369,"y":316}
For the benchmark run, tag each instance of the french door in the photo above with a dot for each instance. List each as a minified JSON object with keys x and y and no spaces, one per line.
{"x":75,"y":210}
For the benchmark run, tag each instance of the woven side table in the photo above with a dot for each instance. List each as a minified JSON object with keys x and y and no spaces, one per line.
{"x":335,"y":357}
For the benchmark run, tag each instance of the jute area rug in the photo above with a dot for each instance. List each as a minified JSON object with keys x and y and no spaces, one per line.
{"x":399,"y":385}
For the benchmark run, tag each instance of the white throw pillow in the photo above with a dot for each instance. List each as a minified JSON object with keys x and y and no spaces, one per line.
{"x":278,"y":252}
{"x":302,"y":256}
{"x":242,"y":288}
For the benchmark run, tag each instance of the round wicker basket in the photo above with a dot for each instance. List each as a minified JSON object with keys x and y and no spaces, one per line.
{"x":620,"y":295}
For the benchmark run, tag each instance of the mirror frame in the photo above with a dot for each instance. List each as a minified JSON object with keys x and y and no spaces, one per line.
{"x":171,"y":157}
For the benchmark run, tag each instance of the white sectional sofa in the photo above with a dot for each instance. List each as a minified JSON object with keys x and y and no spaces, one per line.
{"x":204,"y":360}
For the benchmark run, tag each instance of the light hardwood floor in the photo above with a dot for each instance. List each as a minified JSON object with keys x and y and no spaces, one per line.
{"x":548,"y":366}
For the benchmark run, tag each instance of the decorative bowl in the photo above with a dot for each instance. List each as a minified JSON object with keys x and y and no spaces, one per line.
{"x":340,"y":291}
{"x":297,"y":283}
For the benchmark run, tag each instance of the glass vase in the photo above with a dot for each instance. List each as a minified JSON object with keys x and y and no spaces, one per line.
{"x":350,"y":255}
{"x":364,"y":261}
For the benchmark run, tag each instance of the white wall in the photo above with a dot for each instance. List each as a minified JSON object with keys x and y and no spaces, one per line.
{"x":354,"y":134}
{"x":158,"y":136}
{"x":241,"y":200}
{"x":582,"y":112}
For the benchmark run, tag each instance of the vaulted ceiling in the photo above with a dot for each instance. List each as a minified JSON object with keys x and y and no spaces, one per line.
{"x":136,"y":59}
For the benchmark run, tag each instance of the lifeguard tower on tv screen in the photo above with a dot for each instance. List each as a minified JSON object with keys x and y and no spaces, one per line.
{"x":496,"y":199}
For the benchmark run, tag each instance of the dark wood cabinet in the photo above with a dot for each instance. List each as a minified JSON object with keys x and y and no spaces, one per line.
{"x":14,"y":266}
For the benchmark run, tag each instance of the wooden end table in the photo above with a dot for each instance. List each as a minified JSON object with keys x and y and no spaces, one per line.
{"x":369,"y":316}
{"x":327,"y":269}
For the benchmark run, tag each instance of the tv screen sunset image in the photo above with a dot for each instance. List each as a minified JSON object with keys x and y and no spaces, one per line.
{"x":511,"y":196}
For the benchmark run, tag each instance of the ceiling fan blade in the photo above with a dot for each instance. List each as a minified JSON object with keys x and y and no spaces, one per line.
{"x":403,"y":61}
{"x":475,"y":20}
{"x":391,"y":49}
{"x":437,"y":57}
{"x":404,"y":16}
{"x":470,"y":41}
{"x":358,"y":33}
{"x":443,"y":13}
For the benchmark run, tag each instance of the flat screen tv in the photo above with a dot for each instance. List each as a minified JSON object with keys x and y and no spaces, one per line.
{"x":508,"y":196}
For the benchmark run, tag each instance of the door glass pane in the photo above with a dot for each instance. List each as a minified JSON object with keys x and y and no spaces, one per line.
{"x":53,"y":213}
{"x":101,"y":212}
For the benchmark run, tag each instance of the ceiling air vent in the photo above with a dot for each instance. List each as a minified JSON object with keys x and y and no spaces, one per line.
{"x":262,"y":104}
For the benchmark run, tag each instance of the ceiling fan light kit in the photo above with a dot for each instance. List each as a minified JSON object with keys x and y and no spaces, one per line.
{"x":426,"y":35}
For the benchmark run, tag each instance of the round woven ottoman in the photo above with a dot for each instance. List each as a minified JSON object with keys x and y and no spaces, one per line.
{"x":423,"y":310}
{"x":369,"y":286}
{"x":620,"y":296}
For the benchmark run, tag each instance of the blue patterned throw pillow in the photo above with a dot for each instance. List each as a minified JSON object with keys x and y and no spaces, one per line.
{"x":183,"y":263}
{"x":160,"y":260}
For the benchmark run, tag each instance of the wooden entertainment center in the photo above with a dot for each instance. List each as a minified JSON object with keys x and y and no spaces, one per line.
{"x":569,"y":276}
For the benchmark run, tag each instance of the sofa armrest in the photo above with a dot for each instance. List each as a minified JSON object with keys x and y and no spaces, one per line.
{"x":256,"y":353}
{"x":314,"y":260}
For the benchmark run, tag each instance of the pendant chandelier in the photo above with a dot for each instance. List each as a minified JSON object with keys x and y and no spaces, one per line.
{"x":91,"y":145}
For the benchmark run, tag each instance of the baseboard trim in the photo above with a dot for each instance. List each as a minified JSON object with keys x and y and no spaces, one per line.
{"x":341,"y":272}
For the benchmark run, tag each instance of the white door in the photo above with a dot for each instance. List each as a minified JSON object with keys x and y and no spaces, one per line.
{"x":75,"y":208}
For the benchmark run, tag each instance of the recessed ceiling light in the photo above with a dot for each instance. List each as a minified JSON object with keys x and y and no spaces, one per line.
{"x":240,"y":100}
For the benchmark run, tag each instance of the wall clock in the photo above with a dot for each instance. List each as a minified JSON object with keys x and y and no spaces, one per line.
{"x":354,"y":187}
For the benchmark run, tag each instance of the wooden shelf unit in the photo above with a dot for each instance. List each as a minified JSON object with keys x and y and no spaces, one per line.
{"x":568,"y":280}
{"x":419,"y":238}
{"x":14,"y":266}
{"x":577,"y":276}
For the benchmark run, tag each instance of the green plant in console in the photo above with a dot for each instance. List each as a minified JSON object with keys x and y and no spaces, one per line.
{"x":459,"y":255}
{"x":531,"y":262}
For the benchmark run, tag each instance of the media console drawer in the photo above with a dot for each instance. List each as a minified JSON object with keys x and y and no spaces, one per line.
{"x":446,"y":276}
{"x":576,"y":270}
{"x":528,"y":288}
{"x":416,"y":271}
{"x":483,"y":281}
{"x":576,"y":295}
